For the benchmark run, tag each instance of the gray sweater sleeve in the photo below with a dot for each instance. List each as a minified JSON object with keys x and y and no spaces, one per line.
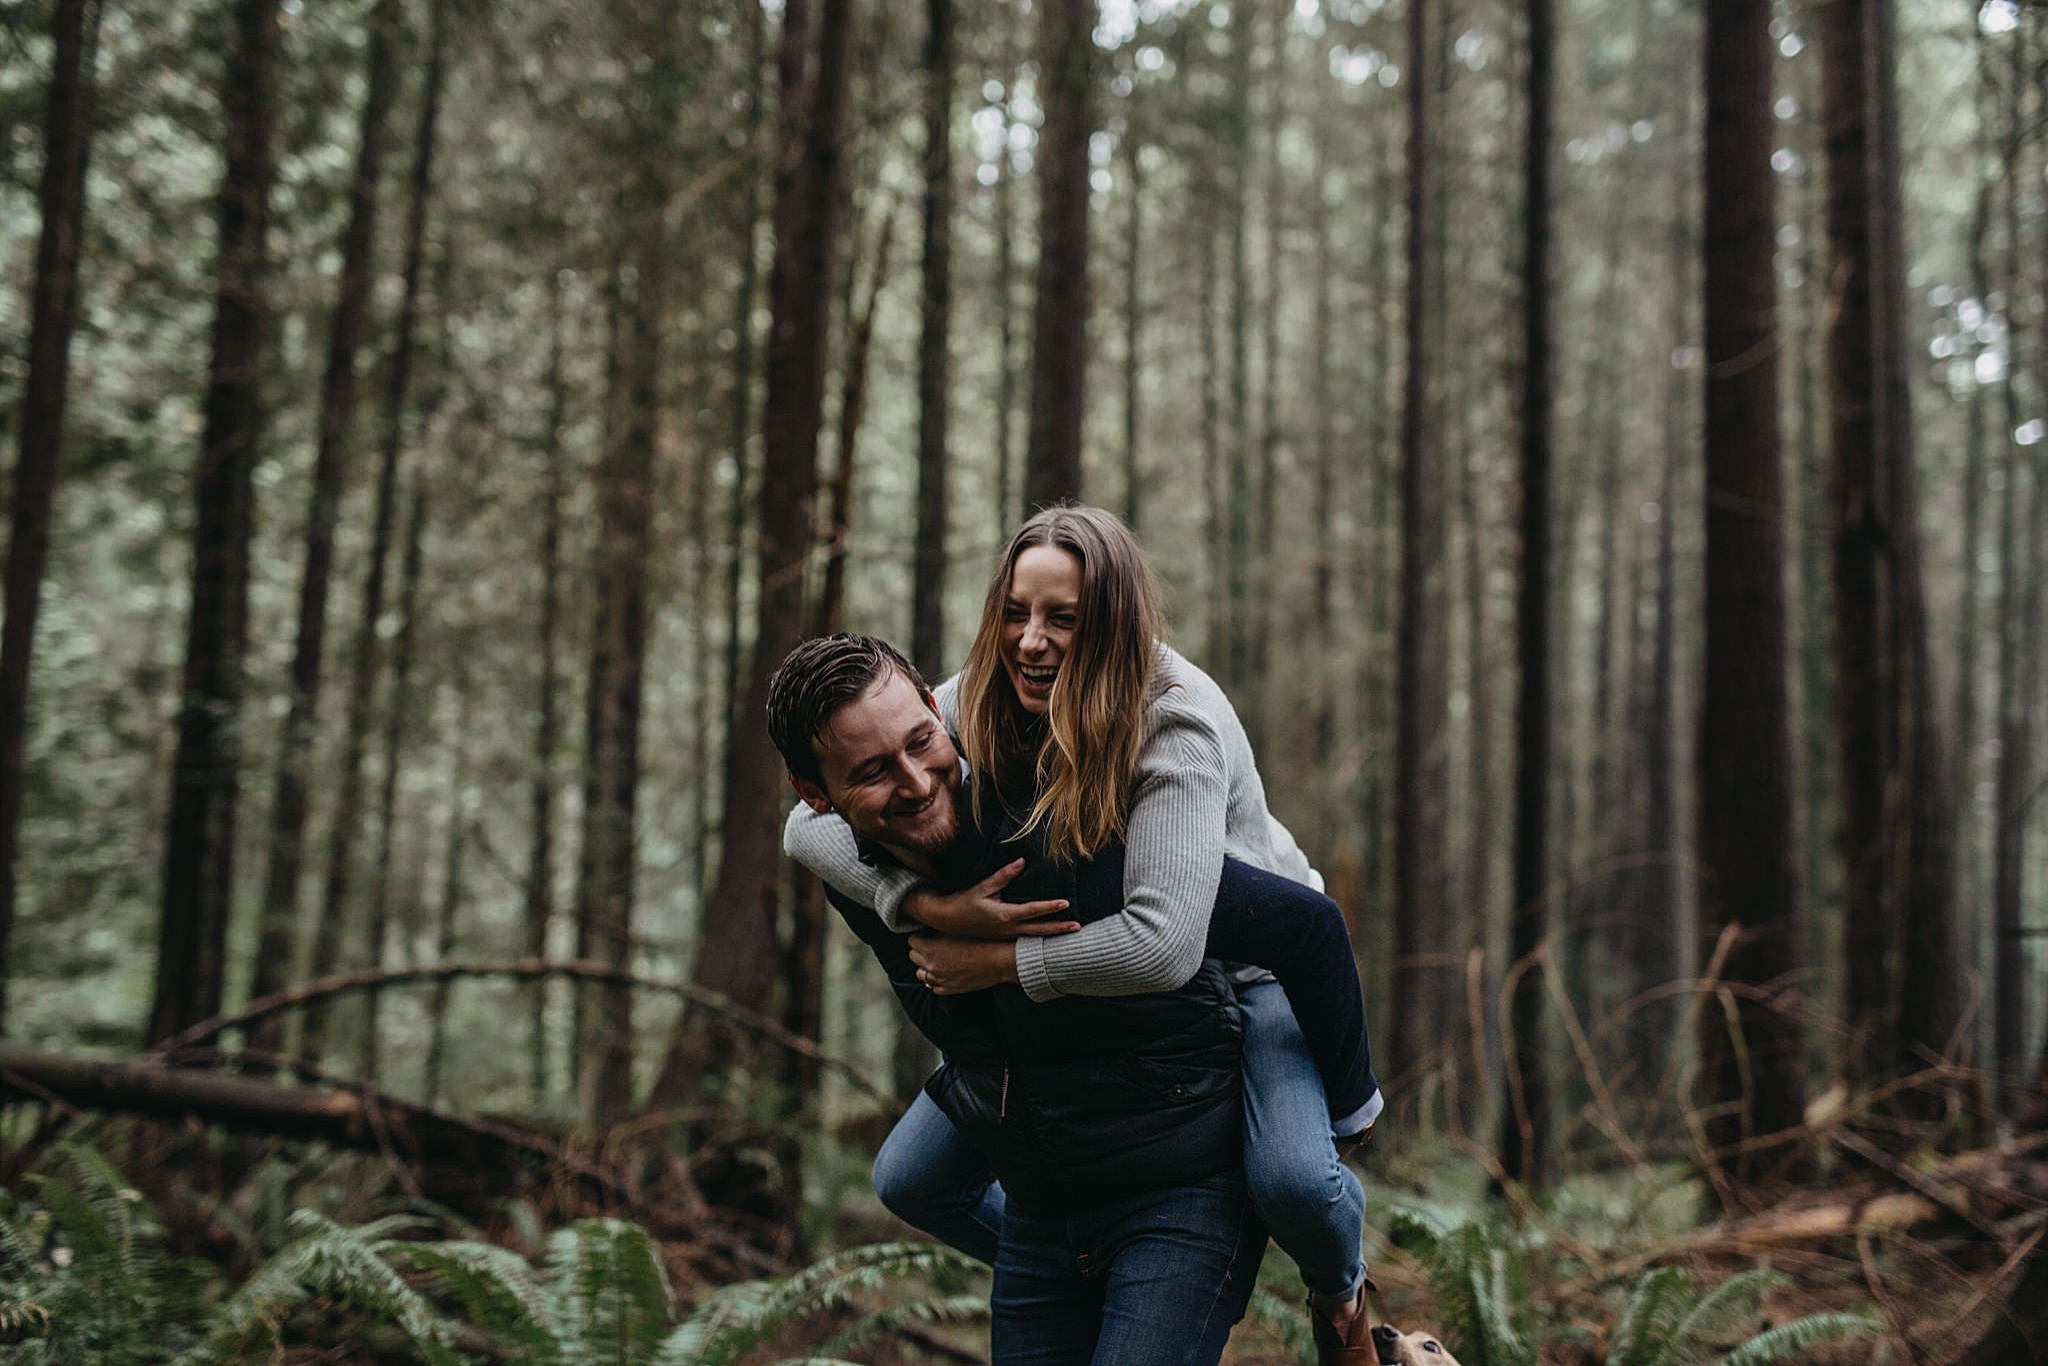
{"x":1172,"y":862}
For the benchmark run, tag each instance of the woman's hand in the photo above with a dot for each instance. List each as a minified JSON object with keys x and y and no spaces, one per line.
{"x":953,"y":967}
{"x":979,"y":912}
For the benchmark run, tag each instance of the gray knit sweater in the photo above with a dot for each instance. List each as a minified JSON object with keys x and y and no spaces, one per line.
{"x":1196,"y":780}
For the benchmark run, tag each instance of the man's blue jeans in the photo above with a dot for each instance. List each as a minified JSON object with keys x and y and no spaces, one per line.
{"x":1156,"y":1279}
{"x":928,"y":1176}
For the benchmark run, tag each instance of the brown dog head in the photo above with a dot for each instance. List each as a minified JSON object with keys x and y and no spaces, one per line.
{"x":1396,"y":1348}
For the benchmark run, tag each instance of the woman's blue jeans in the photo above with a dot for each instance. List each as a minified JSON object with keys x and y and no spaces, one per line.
{"x":928,"y":1176}
{"x":1155,"y":1279}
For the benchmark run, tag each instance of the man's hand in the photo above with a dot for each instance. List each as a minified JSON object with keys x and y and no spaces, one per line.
{"x":979,"y":912}
{"x":953,"y":967}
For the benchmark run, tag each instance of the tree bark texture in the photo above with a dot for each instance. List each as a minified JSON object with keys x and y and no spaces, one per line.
{"x":737,"y":951}
{"x":1059,"y":341}
{"x":1421,"y":993}
{"x":366,"y":651}
{"x":540,"y":868}
{"x":67,"y":137}
{"x":928,"y":573}
{"x":1523,"y":1136}
{"x":280,"y":911}
{"x":205,"y":775}
{"x":1745,"y":796}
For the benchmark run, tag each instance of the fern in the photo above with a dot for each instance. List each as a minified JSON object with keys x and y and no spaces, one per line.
{"x":920,"y":1313}
{"x":1656,"y":1307}
{"x":1480,"y":1286}
{"x":738,"y":1318}
{"x":83,"y":1274}
{"x":611,"y":1296}
{"x":1285,"y":1323}
{"x":1796,"y":1338}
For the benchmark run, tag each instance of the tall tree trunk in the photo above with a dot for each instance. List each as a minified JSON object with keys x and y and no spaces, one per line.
{"x":1059,"y":339}
{"x":928,"y":573}
{"x":1963,"y":736}
{"x":1524,"y":1136}
{"x":1925,"y":976}
{"x":1265,"y":570}
{"x":804,"y":953}
{"x":199,"y":833}
{"x":397,"y":716}
{"x":1748,"y":878}
{"x":279,"y":920}
{"x":2009,"y":778}
{"x":625,"y":496}
{"x":1006,"y":315}
{"x":1134,"y":320}
{"x":540,"y":867}
{"x":1238,"y":466}
{"x":742,"y":412}
{"x":367,"y":648}
{"x":1419,"y":908}
{"x":67,"y":137}
{"x":451,"y":888}
{"x":736,"y":955}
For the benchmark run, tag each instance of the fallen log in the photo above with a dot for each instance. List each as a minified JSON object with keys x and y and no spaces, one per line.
{"x":347,"y":1117}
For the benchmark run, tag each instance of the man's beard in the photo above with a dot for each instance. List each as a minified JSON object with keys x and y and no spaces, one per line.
{"x":932,"y":835}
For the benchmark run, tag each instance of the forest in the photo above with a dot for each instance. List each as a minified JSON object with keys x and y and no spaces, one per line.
{"x":1599,"y":448}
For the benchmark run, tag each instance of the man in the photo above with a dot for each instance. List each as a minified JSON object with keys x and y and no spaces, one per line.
{"x":1113,"y":1123}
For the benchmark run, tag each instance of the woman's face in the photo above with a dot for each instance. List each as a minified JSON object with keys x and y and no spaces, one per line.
{"x":1039,"y":616}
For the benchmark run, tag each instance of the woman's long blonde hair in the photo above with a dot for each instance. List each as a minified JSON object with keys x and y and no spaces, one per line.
{"x":1080,"y":760}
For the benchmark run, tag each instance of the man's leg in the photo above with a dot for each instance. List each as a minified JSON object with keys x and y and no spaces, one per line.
{"x":1177,"y":1268}
{"x":928,"y":1176}
{"x":1045,"y":1308}
{"x":1311,"y":1202}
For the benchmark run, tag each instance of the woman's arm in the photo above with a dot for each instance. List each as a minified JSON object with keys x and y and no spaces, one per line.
{"x":1173,"y":858}
{"x":824,"y":844}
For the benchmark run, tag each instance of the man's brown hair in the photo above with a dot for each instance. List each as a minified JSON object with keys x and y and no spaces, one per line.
{"x":814,"y":681}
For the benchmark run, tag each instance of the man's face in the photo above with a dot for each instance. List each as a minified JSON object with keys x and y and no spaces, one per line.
{"x":890,"y":771}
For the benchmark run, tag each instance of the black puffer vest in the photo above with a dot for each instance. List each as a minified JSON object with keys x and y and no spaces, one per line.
{"x":1087,"y":1098}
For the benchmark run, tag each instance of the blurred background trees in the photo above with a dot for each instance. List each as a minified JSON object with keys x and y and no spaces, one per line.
{"x":1628,"y":560}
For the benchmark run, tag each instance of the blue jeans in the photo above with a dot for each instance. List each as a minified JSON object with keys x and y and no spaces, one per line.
{"x":1156,"y":1279}
{"x":929,"y":1177}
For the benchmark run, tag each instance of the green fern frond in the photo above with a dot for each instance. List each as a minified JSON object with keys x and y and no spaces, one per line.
{"x":1794,"y":1339}
{"x":1719,"y":1312}
{"x":497,"y":1290}
{"x":1656,"y":1306}
{"x":1416,"y":1217}
{"x":1480,"y":1291}
{"x":922,"y":1313}
{"x":611,"y":1294}
{"x":738,"y":1319}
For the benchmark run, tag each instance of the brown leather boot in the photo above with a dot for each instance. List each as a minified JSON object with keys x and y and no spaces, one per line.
{"x":1355,"y":1346}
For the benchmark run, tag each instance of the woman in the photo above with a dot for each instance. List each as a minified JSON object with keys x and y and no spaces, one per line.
{"x":1070,"y":694}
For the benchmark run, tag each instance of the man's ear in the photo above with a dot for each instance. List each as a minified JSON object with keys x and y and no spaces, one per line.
{"x":931,"y":699}
{"x":813,"y":796}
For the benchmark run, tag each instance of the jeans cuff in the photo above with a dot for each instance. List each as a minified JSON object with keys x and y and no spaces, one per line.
{"x":1360,"y":1119}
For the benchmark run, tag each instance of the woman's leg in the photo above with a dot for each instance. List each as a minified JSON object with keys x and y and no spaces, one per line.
{"x":928,"y":1176}
{"x":1311,"y":1202}
{"x":1298,"y":934}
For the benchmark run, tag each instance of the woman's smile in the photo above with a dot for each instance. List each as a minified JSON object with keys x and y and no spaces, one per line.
{"x":1039,"y":617}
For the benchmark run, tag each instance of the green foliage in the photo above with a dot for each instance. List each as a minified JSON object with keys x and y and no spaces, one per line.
{"x":1478,"y":1272}
{"x":84,"y":1277}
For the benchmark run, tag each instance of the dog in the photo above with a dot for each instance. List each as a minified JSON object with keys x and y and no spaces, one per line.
{"x":1396,"y":1348}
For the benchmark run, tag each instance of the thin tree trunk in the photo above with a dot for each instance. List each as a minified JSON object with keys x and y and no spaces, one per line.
{"x":1524,"y":1135}
{"x":451,"y":889}
{"x":1134,"y":321}
{"x":1006,"y":317}
{"x":1265,"y":574}
{"x":1745,"y":799}
{"x":67,"y":138}
{"x":1059,"y":339}
{"x":1962,"y":767}
{"x":2008,"y":1002}
{"x":199,"y":831}
{"x":397,"y":715}
{"x":736,"y":955}
{"x":279,"y":921}
{"x":1419,"y":909}
{"x":1925,"y":977}
{"x":928,"y":573}
{"x":367,"y":649}
{"x":540,"y":868}
{"x":1238,"y":466}
{"x":1216,"y":528}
